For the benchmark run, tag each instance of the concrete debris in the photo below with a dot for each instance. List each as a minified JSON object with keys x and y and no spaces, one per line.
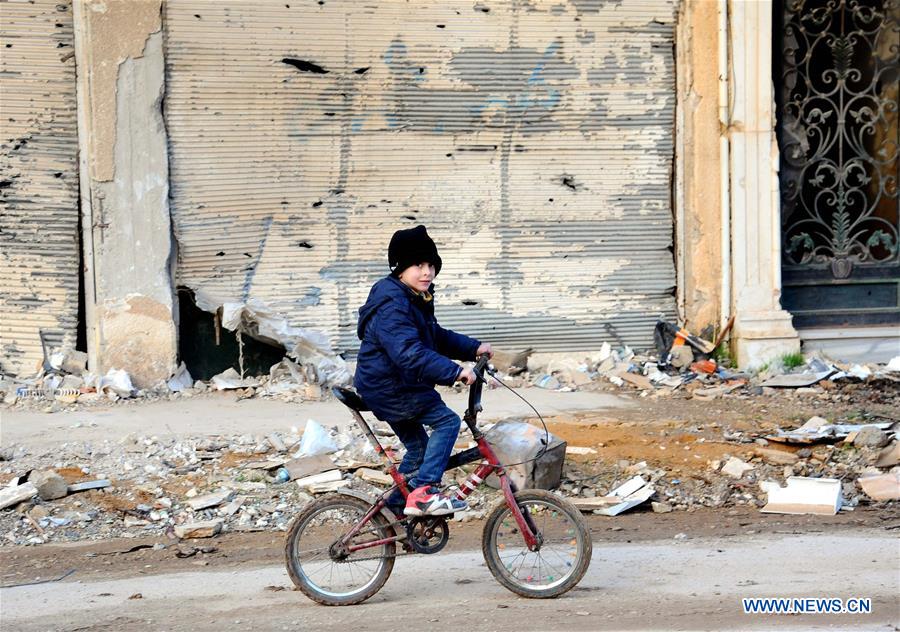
{"x":890,"y":456}
{"x":634,"y":379}
{"x":317,"y":479}
{"x":127,"y":480}
{"x":276,"y":442}
{"x":203,"y":529}
{"x":49,"y":484}
{"x":778,"y":457}
{"x":210,"y":500}
{"x":308,"y":465}
{"x":10,"y":496}
{"x":232,"y":508}
{"x":870,"y":437}
{"x":813,"y":431}
{"x":796,"y":380}
{"x":304,"y":345}
{"x":803,"y":496}
{"x":70,"y":361}
{"x":573,"y":449}
{"x":374,"y":476}
{"x":881,"y":487}
{"x":511,"y":363}
{"x":736,"y":468}
{"x":661,"y":507}
{"x":681,"y":356}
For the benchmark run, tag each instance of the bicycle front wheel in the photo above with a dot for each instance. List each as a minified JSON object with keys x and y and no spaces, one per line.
{"x":325,"y":570}
{"x":560,"y":562}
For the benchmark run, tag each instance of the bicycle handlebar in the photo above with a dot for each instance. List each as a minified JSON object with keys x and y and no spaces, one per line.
{"x":475,"y":388}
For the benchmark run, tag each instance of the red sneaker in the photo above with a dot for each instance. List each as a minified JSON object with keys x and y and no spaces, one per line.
{"x":429,"y":501}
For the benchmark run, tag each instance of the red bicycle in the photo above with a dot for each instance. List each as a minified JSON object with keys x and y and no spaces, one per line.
{"x":340,"y":549}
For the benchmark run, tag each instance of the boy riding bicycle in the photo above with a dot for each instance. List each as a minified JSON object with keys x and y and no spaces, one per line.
{"x":403,"y":355}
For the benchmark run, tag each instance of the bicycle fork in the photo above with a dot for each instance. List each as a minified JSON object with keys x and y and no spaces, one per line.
{"x":527,"y":528}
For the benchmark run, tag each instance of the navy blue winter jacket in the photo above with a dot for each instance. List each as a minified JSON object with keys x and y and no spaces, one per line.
{"x":404,"y":352}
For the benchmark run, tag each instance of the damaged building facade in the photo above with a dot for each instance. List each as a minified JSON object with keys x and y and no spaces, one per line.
{"x":173,"y":169}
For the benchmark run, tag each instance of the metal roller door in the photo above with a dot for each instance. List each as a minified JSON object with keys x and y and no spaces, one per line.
{"x":39,"y":243}
{"x":534,"y":140}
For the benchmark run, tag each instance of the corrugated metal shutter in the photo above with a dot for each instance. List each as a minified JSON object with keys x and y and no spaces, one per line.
{"x":535,"y":144}
{"x":39,"y":182}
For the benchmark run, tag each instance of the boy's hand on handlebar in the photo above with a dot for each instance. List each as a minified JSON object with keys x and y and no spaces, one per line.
{"x":485,"y":347}
{"x":466,"y":375}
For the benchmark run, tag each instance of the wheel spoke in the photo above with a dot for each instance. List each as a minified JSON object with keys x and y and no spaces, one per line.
{"x":338,"y":579}
{"x":558,"y":557}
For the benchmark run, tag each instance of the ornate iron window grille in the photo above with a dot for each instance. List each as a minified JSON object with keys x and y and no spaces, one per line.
{"x":838,"y":134}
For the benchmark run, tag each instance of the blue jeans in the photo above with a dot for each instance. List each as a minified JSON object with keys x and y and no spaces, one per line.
{"x":428,"y":454}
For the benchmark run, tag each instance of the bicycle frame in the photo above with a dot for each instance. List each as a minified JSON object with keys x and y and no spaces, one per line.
{"x":483,"y":450}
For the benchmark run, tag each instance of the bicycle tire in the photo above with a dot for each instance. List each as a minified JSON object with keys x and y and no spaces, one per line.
{"x":294,"y":542}
{"x":526,"y":499}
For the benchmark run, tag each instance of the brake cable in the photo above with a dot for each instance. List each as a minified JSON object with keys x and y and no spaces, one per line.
{"x":545,"y":442}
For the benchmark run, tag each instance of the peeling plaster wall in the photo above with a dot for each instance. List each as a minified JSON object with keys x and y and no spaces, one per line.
{"x":125,"y":140}
{"x":39,"y":259}
{"x":701,"y":244}
{"x":534,"y":140}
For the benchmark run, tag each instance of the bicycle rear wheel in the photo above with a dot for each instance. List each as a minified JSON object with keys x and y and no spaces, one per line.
{"x":564,"y":554}
{"x":321,"y":569}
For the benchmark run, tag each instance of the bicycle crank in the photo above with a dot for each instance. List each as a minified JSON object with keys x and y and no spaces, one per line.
{"x":427,"y":534}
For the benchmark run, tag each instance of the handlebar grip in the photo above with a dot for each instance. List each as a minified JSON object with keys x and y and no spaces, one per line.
{"x":482,"y":362}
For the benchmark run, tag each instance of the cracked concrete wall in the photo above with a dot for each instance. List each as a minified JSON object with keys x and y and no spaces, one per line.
{"x":701,"y":233}
{"x":123,"y":138}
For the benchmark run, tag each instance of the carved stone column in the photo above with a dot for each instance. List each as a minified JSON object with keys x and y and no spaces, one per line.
{"x":763,"y":330}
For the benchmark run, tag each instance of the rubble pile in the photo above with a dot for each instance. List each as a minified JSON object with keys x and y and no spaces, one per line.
{"x":184,"y":488}
{"x":704,"y":380}
{"x":56,"y":389}
{"x":860,"y":462}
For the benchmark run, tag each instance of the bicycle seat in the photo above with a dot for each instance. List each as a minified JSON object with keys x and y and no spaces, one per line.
{"x":350,"y":399}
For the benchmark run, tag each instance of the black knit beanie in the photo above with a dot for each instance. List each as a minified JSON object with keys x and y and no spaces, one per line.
{"x":411,"y":247}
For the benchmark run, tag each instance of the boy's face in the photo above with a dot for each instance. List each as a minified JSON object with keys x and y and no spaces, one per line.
{"x":418,"y":277}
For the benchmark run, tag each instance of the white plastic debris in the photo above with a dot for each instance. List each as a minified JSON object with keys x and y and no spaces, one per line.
{"x":860,"y":372}
{"x":285,"y":376}
{"x":231,"y":379}
{"x":117,"y":381}
{"x":519,"y":443}
{"x":307,"y":346}
{"x":181,"y":381}
{"x":803,"y":495}
{"x":894,"y":365}
{"x":629,"y":494}
{"x":315,"y":440}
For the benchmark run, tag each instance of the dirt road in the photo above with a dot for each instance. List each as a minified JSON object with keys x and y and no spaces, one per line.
{"x":637,"y":580}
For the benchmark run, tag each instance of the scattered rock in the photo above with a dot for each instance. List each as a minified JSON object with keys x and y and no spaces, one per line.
{"x":210,"y":500}
{"x":49,"y":484}
{"x":777,"y":457}
{"x":870,"y":437}
{"x":206,"y":529}
{"x":736,"y":468}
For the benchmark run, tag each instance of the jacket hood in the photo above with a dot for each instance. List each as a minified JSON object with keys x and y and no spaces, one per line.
{"x":387,"y":289}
